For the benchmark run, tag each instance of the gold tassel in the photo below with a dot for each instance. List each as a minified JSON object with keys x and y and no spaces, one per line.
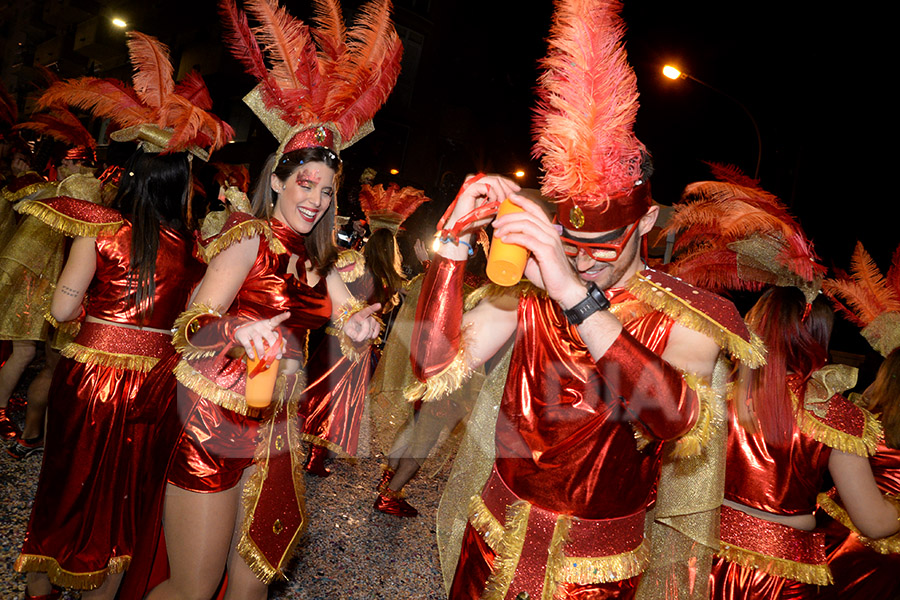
{"x":751,"y":353}
{"x":65,"y":224}
{"x":244,"y":229}
{"x":185,"y":325}
{"x":92,"y":356}
{"x":887,"y":545}
{"x":606,"y":569}
{"x":193,"y":380}
{"x":32,"y":563}
{"x":779,"y":567}
{"x":347,"y":258}
{"x":509,"y":550}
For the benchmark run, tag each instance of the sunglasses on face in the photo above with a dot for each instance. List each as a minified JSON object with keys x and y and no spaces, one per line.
{"x":599,"y":251}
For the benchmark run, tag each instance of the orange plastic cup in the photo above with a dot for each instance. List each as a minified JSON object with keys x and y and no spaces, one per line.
{"x":258,"y":389}
{"x":506,"y":263}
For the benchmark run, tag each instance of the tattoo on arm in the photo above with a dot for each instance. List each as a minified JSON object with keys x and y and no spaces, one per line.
{"x":69,"y":291}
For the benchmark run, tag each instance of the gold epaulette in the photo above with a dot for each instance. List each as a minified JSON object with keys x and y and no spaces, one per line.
{"x":241,"y":226}
{"x":826,"y":416}
{"x":26,"y":185}
{"x":74,"y":217}
{"x":701,"y":311}
{"x":350,"y":265}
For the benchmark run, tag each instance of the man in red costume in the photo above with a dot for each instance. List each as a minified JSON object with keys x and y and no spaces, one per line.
{"x":609,"y":359}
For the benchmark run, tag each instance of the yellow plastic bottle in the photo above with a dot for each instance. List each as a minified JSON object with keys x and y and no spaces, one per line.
{"x":506,"y":262}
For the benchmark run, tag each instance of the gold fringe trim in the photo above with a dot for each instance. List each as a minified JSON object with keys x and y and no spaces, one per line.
{"x":243,"y":230}
{"x":509,"y":550}
{"x":751,"y":353}
{"x":28,"y":190}
{"x":556,"y":560}
{"x":347,"y":258}
{"x":192,"y":379}
{"x":865,"y":445}
{"x":68,"y":225}
{"x":185,"y":325}
{"x":521,"y":290}
{"x":888,"y":545}
{"x":314,"y":439}
{"x":248,"y":550}
{"x":352,"y":350}
{"x":606,"y":569}
{"x":92,"y":356}
{"x":779,"y":567}
{"x":68,"y":328}
{"x":695,"y":441}
{"x":484,"y":522}
{"x":33,"y":563}
{"x":446,"y":382}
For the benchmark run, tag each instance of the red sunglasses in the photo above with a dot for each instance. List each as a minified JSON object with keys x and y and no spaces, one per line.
{"x":605,"y":252}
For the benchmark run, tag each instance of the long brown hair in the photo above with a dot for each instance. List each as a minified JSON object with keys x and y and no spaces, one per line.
{"x":320,"y":245}
{"x":382,"y":255}
{"x":794,"y":344}
{"x":884,"y":394}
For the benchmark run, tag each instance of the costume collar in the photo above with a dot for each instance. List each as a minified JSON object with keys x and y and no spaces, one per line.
{"x":293,"y":241}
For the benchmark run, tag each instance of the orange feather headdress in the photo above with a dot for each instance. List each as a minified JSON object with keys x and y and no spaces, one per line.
{"x":325,"y":83}
{"x":733,"y":235}
{"x":870,"y":299}
{"x":388,"y":208}
{"x":583,"y":123}
{"x":161,"y":115}
{"x":60,"y":124}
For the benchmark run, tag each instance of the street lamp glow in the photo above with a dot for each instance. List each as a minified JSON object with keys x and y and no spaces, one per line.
{"x":520,"y":173}
{"x":671,"y":72}
{"x":119,"y":23}
{"x":394,"y":172}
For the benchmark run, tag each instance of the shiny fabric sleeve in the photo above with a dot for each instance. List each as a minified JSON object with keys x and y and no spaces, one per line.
{"x":652,"y":392}
{"x":437,"y":336}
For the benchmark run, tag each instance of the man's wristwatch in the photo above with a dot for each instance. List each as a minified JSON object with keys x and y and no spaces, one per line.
{"x":596,"y":300}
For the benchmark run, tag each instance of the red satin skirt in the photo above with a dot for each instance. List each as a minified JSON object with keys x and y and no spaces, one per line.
{"x":730,"y":581}
{"x":860,"y":573}
{"x":83,"y":520}
{"x":214,"y":448}
{"x":335,"y":398}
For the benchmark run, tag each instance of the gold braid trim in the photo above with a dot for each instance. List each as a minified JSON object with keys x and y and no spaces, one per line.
{"x":92,"y":356}
{"x":865,"y":445}
{"x":352,"y":350}
{"x":347,"y":258}
{"x":248,"y":550}
{"x":34,"y":563}
{"x":606,"y":569}
{"x":314,"y":439}
{"x":556,"y":560}
{"x":185,"y":325}
{"x":509,"y":549}
{"x":695,"y":441}
{"x":68,"y":225}
{"x":779,"y":567}
{"x":446,"y":382}
{"x":888,"y":545}
{"x":751,"y":353}
{"x":193,"y":380}
{"x":243,"y":230}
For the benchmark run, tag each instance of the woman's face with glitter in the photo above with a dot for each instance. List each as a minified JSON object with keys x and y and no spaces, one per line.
{"x":304,"y":197}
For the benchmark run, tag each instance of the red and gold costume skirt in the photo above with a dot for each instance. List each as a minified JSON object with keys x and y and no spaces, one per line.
{"x":760,"y":560}
{"x":82,"y":524}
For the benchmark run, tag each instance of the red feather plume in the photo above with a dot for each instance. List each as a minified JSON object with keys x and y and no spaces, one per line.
{"x":60,"y":124}
{"x":865,"y":293}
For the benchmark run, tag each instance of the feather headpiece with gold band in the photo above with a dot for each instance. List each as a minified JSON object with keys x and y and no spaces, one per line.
{"x":161,"y":115}
{"x":870,"y":299}
{"x":325,"y":83}
{"x":388,"y":208}
{"x":733,"y":235}
{"x":60,"y":124}
{"x":583,"y":124}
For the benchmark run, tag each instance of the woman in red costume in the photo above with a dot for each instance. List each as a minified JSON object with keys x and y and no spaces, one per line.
{"x":335,"y":399}
{"x":789,"y":425}
{"x":235,"y":496}
{"x":135,"y":267}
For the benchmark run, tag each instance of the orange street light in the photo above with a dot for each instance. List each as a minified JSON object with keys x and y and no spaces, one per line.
{"x":394,"y":172}
{"x":520,"y":173}
{"x":674,"y":73}
{"x":121,"y":24}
